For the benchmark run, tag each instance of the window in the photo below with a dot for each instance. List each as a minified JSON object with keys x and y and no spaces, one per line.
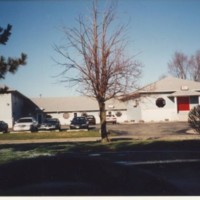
{"x":118,"y":114}
{"x":194,"y":100}
{"x":65,"y":115}
{"x":160,"y":102}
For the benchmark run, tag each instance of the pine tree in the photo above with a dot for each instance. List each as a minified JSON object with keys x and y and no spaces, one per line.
{"x":9,"y":64}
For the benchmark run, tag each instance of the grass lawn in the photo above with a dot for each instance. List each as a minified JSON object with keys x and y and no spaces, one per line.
{"x":89,"y":168}
{"x":48,"y":135}
{"x":12,"y":152}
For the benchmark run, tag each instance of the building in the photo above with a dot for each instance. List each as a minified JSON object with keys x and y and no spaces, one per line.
{"x":169,"y":99}
{"x":64,"y":108}
{"x":14,"y":105}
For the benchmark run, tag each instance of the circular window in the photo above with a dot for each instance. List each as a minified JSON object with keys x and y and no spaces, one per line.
{"x":118,"y":114}
{"x":160,"y":102}
{"x":65,"y":115}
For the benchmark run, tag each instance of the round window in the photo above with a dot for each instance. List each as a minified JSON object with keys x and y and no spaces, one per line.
{"x":65,"y":115}
{"x":160,"y":102}
{"x":118,"y":114}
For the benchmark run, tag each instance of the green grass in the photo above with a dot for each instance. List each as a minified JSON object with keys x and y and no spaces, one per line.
{"x":11,"y":152}
{"x":48,"y":135}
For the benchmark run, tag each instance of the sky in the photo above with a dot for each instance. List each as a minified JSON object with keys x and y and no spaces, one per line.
{"x":156,"y":29}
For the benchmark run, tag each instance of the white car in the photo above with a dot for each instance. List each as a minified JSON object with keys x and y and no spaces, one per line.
{"x":111,"y":119}
{"x":26,"y":124}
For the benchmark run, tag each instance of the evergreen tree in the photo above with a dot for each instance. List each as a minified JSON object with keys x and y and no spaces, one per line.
{"x":9,"y":64}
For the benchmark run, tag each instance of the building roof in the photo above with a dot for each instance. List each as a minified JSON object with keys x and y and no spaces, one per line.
{"x":74,"y":104}
{"x":5,"y":88}
{"x":169,"y":85}
{"x":184,"y":93}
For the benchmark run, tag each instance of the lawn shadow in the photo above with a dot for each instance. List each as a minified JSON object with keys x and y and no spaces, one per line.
{"x":76,"y":175}
{"x":182,"y":131}
{"x":118,"y":133}
{"x":120,"y":139}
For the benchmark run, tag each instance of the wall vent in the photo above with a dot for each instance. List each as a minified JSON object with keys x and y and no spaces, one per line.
{"x":184,"y":88}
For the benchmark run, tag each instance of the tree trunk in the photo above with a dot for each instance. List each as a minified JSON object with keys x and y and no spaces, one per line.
{"x":103,"y":128}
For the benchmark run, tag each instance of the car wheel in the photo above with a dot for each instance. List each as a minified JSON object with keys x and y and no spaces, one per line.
{"x":5,"y":131}
{"x":34,"y":129}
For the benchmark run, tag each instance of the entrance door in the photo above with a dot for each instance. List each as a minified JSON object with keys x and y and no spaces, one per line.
{"x":183,"y":103}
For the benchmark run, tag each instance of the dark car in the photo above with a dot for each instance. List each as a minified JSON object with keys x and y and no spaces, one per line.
{"x":3,"y":127}
{"x":50,"y":124}
{"x":79,"y":123}
{"x":91,"y":119}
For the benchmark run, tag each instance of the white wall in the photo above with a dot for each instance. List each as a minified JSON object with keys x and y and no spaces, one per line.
{"x":145,"y":109}
{"x":6,"y":108}
{"x":133,"y":111}
{"x":67,"y":121}
{"x":151,"y":112}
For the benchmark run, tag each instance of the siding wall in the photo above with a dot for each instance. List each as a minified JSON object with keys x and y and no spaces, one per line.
{"x":70,"y":115}
{"x":146,"y":110}
{"x":6,"y":108}
{"x":151,"y":112}
{"x":133,"y":111}
{"x":17,"y":104}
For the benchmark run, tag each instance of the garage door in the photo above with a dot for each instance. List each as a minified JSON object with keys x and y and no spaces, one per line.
{"x":183,"y":103}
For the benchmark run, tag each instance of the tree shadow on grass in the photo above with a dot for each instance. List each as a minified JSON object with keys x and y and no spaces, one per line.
{"x":66,"y":175}
{"x":74,"y":173}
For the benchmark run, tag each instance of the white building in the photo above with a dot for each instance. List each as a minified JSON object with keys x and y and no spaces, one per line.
{"x":64,"y":108}
{"x":14,"y":105}
{"x":169,"y":99}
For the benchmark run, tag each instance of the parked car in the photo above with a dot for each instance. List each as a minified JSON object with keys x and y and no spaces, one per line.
{"x":79,"y":123}
{"x":3,"y":127}
{"x":26,"y":124}
{"x":50,"y":124}
{"x":91,"y":119}
{"x":111,"y":119}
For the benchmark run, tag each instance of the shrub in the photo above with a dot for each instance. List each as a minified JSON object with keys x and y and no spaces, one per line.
{"x":194,"y":118}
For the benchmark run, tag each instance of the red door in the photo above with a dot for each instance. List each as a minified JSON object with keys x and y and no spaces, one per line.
{"x":183,"y":103}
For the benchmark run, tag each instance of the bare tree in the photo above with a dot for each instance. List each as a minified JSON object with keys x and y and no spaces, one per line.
{"x":185,"y":67}
{"x":179,"y":65}
{"x":194,"y":69}
{"x":103,"y":69}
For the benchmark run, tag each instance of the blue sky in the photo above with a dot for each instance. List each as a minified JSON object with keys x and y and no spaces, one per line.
{"x":156,"y":29}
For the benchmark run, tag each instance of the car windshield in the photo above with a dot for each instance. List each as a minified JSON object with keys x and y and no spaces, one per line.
{"x":24,"y":120}
{"x":78,"y":120}
{"x":50,"y":121}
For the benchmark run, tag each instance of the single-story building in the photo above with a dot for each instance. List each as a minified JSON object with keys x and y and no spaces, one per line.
{"x":14,"y":105}
{"x":169,"y":99}
{"x":64,"y":108}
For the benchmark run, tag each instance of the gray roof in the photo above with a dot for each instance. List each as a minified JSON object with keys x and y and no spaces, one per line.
{"x":184,"y":93}
{"x":74,"y":104}
{"x":6,"y":89}
{"x":170,"y":84}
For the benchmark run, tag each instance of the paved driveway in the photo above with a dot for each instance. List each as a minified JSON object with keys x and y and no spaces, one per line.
{"x":154,"y":130}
